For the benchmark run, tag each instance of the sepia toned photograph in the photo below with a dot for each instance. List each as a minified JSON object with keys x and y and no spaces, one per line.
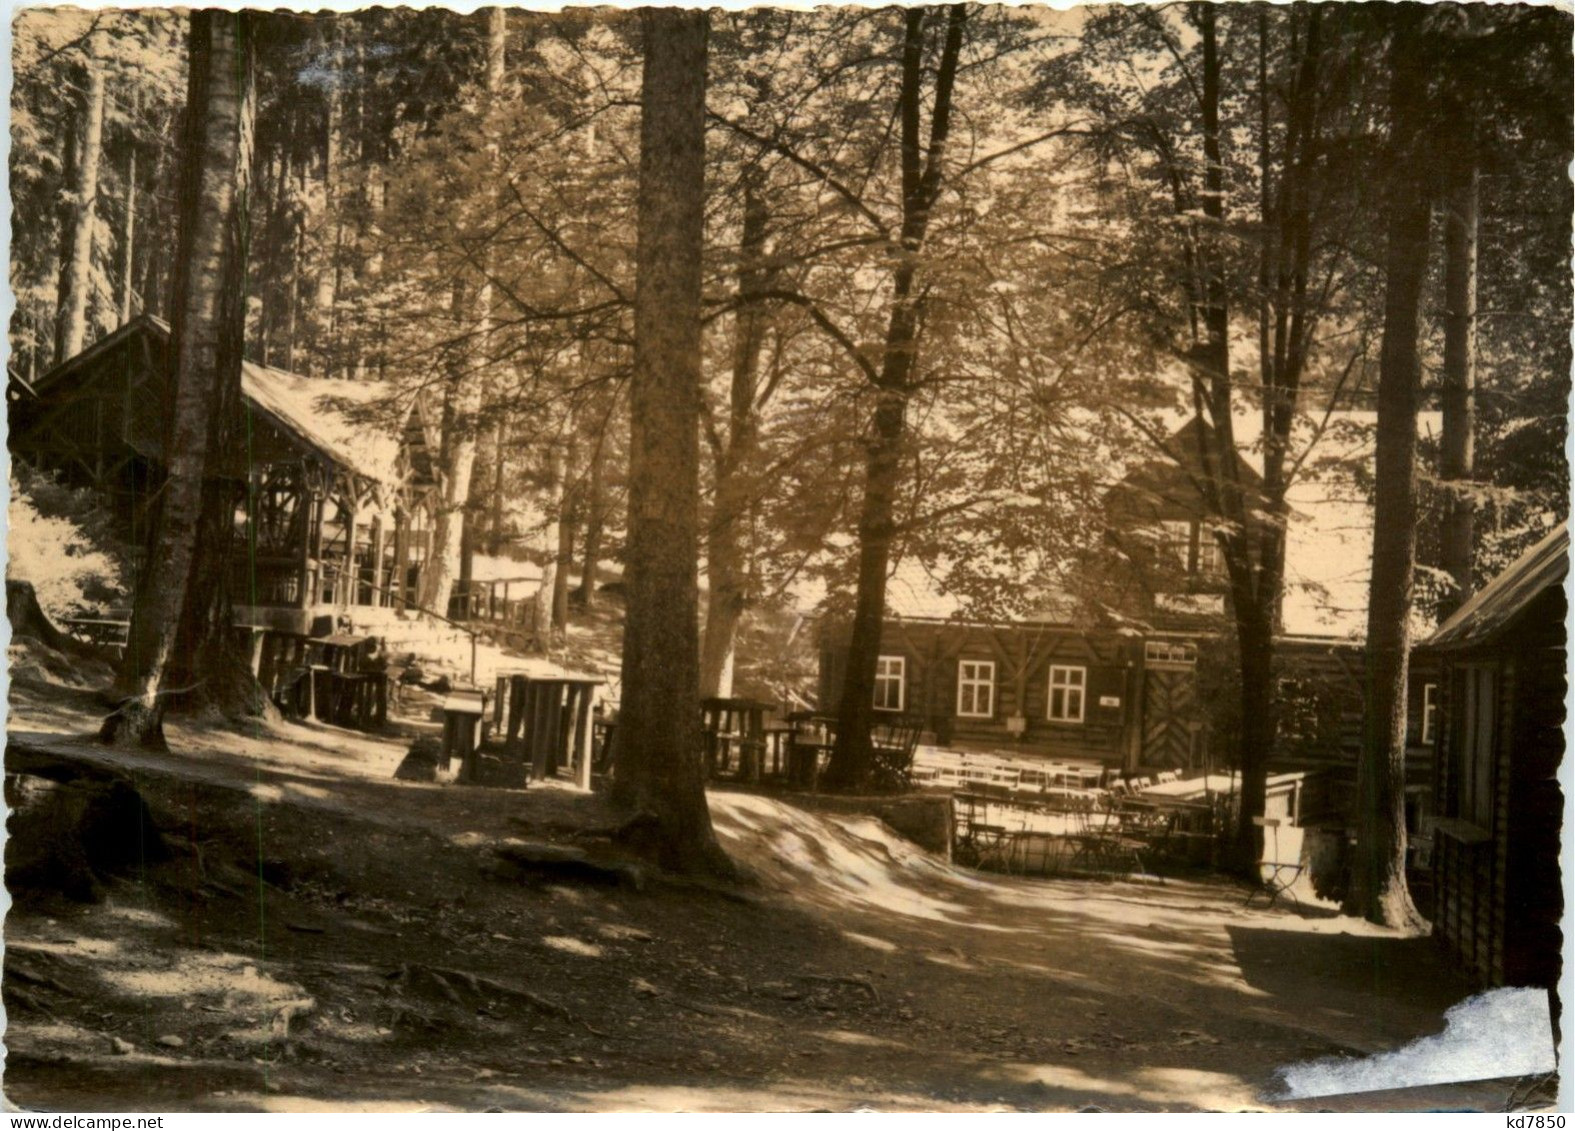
{"x":918,"y":559}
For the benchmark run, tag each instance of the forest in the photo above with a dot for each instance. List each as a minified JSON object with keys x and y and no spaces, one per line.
{"x":752,"y":310}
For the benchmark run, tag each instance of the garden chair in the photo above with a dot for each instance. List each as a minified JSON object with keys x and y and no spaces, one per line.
{"x":892,"y":743}
{"x":1281,"y":864}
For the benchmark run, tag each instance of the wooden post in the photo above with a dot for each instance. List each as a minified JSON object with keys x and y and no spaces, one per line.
{"x":401,"y":558}
{"x":315,"y":543}
{"x":583,"y":729}
{"x":307,"y":507}
{"x":349,"y":576}
{"x":378,"y":594}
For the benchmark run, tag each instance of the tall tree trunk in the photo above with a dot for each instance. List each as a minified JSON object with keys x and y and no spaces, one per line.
{"x":207,"y":335}
{"x":155,"y":257}
{"x":551,"y":539}
{"x":659,"y":768}
{"x":1379,"y":890}
{"x":595,"y":518}
{"x":457,"y":458}
{"x":568,"y":523}
{"x":1457,"y":463}
{"x":921,"y":181}
{"x":128,"y":228}
{"x":76,"y":266}
{"x":463,"y":398}
{"x":325,"y":304}
{"x":726,"y":578}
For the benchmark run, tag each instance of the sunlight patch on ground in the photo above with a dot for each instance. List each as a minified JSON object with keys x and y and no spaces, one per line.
{"x":83,"y":947}
{"x":1158,"y":1087}
{"x":848,"y":860}
{"x":141,"y":916}
{"x":573,"y":946}
{"x":61,"y":1032}
{"x":253,"y":1101}
{"x":227,"y":975}
{"x":848,"y":1037}
{"x":1501,"y":1033}
{"x":870,"y":941}
{"x":785,"y":1096}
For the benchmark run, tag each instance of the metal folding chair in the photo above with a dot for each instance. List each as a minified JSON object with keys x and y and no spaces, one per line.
{"x":1277,"y":876}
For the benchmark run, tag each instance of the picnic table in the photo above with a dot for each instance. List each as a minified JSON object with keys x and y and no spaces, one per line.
{"x":99,"y":630}
{"x":547,"y":722}
{"x":734,"y":727}
{"x":813,"y":738}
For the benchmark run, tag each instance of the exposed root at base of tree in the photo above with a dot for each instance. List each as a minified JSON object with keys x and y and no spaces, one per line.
{"x":443,"y":979}
{"x":845,"y":980}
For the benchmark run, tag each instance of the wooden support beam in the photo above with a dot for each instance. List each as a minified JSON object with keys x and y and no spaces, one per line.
{"x":377,"y":596}
{"x":349,"y":578}
{"x":584,"y":725}
{"x":310,"y":532}
{"x":401,"y":557}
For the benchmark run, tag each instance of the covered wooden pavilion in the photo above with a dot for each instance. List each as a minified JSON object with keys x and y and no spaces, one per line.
{"x":334,"y":479}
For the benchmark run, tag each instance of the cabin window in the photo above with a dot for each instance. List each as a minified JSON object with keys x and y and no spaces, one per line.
{"x":1170,"y":652}
{"x":1471,"y":763}
{"x":890,"y":680}
{"x":1211,"y":556}
{"x":1176,"y":544}
{"x":1067,"y":688}
{"x":1429,"y":712}
{"x":976,"y":689}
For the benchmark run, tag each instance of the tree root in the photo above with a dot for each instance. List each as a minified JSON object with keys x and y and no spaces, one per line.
{"x":845,"y":980}
{"x":444,"y":978}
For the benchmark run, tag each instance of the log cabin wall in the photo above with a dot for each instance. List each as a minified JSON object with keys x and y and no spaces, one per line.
{"x":1498,"y":898}
{"x":1319,"y":696}
{"x":932,"y":654}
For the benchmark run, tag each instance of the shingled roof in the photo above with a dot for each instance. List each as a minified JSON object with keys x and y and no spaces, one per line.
{"x":1500,"y":603}
{"x":337,"y":419}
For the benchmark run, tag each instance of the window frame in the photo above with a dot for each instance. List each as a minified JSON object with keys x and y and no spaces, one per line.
{"x":901,"y":679}
{"x":1429,"y":713}
{"x":975,"y":682}
{"x":1473,"y":744}
{"x":1178,"y":536}
{"x":1067,"y":688}
{"x":1182,"y":652}
{"x":1210,"y":557}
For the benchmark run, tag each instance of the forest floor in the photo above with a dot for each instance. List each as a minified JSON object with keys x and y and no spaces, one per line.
{"x":319,"y":936}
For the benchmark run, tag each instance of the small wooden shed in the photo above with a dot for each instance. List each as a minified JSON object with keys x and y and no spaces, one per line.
{"x":1503,"y":677}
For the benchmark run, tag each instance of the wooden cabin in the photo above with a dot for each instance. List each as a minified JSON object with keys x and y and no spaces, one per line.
{"x":1139,"y":670}
{"x":333,"y":483}
{"x":1503,"y":663}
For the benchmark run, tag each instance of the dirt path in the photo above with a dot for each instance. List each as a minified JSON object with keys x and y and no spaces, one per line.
{"x":325,"y":938}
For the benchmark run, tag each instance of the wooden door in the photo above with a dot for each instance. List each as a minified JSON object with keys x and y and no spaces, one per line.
{"x":1170,"y":708}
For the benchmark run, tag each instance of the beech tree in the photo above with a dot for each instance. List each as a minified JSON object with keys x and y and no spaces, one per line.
{"x":463,"y":394}
{"x":922,"y":161}
{"x":659,"y":750}
{"x":1241,"y":174}
{"x":1379,"y":890}
{"x":80,"y":206}
{"x":206,"y":339}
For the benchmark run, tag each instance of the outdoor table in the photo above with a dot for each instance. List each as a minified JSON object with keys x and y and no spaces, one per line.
{"x":548,"y":722}
{"x":606,"y":729}
{"x":463,"y":709}
{"x":813,"y":735}
{"x":98,"y":630}
{"x":779,"y":736}
{"x":735,"y":723}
